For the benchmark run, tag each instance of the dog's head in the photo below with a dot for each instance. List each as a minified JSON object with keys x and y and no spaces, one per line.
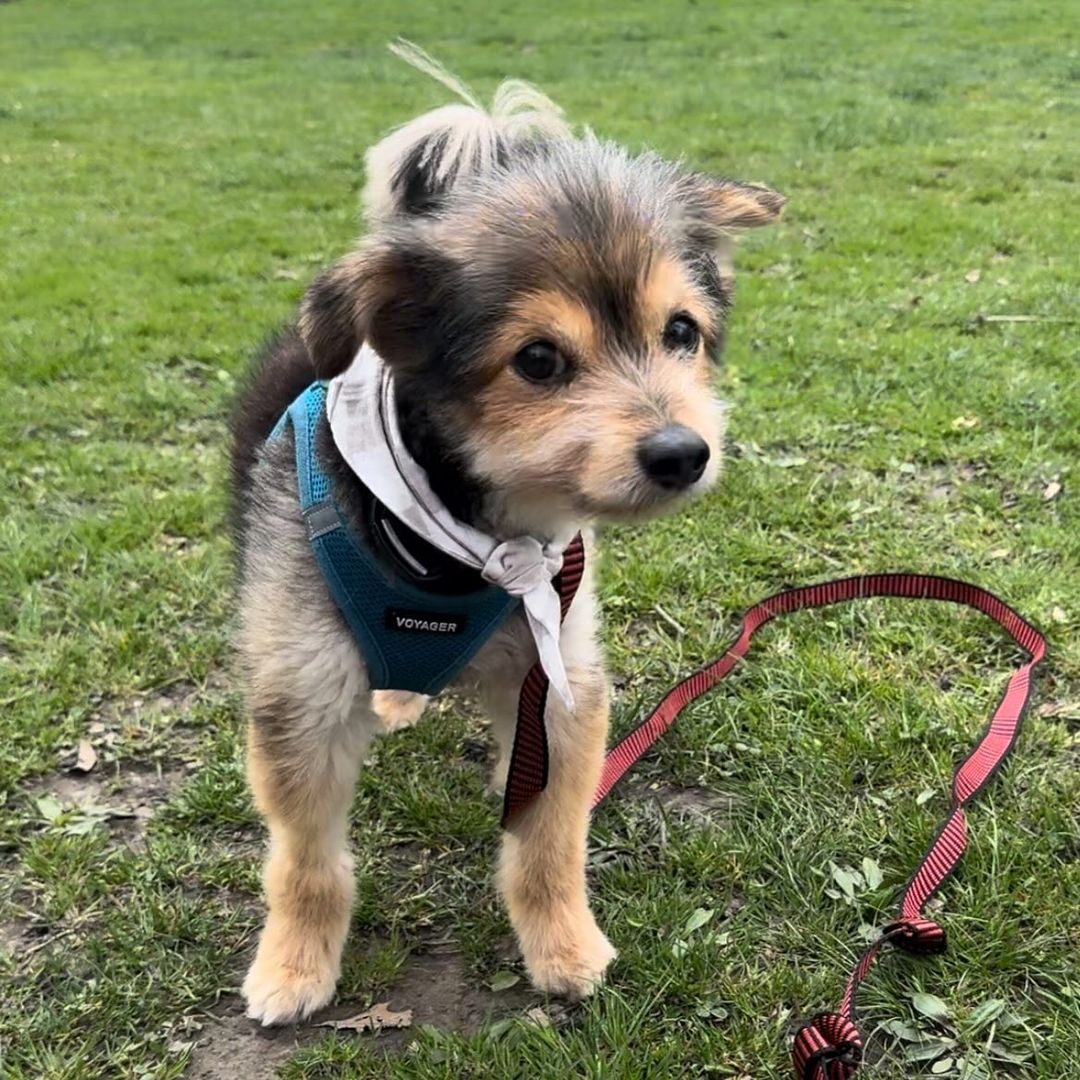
{"x":549,"y":305}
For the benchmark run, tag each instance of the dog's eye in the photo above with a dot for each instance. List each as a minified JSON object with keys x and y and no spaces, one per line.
{"x":540,"y":362}
{"x":681,"y":333}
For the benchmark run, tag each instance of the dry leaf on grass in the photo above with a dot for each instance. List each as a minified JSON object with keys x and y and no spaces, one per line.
{"x":962,"y":423}
{"x":85,"y":757}
{"x":1060,"y":708}
{"x":972,"y":277}
{"x":376,"y":1018}
{"x":1052,"y":490}
{"x":503,"y":980}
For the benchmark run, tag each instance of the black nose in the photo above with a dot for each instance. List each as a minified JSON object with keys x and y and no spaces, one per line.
{"x":674,"y":457}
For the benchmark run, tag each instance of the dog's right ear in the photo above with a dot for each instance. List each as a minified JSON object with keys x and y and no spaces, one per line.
{"x":332,"y":316}
{"x":382,"y":295}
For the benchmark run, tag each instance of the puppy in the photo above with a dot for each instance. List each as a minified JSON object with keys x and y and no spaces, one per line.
{"x":548,"y":305}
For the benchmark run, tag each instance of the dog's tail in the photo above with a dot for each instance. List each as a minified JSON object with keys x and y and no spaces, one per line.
{"x":410,"y":169}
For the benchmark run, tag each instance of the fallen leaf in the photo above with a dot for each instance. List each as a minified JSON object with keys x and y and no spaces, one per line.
{"x":698,"y":919}
{"x":503,"y":980}
{"x":1052,"y":490}
{"x":48,"y":807}
{"x":375,"y":1019}
{"x":972,"y":277}
{"x":1059,"y":708}
{"x":931,"y":1006}
{"x":1059,"y":614}
{"x":85,"y":757}
{"x":962,"y":422}
{"x":538,"y":1017}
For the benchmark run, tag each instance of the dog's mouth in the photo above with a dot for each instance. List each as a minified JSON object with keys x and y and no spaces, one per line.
{"x":643,"y":501}
{"x":653,"y":481}
{"x":554,"y":506}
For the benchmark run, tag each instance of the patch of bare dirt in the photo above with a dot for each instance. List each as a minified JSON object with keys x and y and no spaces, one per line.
{"x":16,"y":936}
{"x":685,"y":802}
{"x":436,"y":987}
{"x":230,"y":1047}
{"x":124,"y":799}
{"x":130,"y":759}
{"x":154,"y":724}
{"x":440,"y":992}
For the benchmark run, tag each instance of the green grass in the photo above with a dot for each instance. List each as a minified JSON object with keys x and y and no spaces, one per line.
{"x":172,"y":176}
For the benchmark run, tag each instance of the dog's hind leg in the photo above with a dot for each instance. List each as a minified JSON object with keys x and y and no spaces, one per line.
{"x":398,"y":709}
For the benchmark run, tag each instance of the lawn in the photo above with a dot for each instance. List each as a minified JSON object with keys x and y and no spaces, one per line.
{"x":903,"y":371}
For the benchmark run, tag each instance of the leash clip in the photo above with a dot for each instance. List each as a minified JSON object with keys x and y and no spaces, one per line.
{"x":829,"y":1047}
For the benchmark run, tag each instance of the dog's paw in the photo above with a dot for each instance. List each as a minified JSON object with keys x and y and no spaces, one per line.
{"x":398,"y":709}
{"x":573,"y":968}
{"x":278,"y":995}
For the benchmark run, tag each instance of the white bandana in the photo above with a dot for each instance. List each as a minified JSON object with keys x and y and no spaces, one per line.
{"x":363,"y":421}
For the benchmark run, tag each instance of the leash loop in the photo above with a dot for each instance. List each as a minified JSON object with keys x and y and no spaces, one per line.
{"x":830,"y":1046}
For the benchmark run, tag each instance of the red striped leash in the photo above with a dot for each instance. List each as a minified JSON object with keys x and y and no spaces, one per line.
{"x":830,"y":1046}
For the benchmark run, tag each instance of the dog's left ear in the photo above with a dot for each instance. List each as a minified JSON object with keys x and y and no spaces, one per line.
{"x":730,"y":205}
{"x":718,"y":209}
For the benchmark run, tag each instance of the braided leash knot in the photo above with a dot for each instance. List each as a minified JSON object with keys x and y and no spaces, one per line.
{"x":920,"y":937}
{"x":829,"y":1047}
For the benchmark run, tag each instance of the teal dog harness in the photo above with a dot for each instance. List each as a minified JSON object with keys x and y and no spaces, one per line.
{"x":410,"y":638}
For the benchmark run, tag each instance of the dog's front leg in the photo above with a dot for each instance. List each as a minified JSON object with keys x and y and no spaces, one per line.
{"x":543,"y":859}
{"x":303,"y":771}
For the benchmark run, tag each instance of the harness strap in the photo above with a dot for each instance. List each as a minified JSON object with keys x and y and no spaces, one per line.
{"x":410,"y":638}
{"x":830,"y":1046}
